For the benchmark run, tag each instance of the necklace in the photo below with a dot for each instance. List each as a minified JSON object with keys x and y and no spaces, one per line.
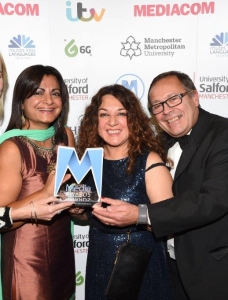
{"x":46,"y":153}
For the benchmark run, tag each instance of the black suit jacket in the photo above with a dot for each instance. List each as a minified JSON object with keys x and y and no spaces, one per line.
{"x":198,"y":214}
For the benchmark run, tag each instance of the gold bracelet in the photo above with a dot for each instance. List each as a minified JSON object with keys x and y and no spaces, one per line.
{"x":33,"y":210}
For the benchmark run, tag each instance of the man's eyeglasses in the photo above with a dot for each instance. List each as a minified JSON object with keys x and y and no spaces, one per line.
{"x":171,"y":102}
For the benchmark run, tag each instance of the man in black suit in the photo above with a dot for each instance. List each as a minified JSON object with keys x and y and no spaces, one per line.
{"x":196,"y":218}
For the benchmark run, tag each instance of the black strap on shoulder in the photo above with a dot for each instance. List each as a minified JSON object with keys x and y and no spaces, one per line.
{"x":155,"y":165}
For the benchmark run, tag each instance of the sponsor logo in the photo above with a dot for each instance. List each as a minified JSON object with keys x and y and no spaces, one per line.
{"x":213,"y":87}
{"x":82,"y":14}
{"x":22,"y":47}
{"x":130,"y":48}
{"x":81,"y":243}
{"x":78,"y":88}
{"x":19,"y":9}
{"x":158,"y":10}
{"x":219,"y":45}
{"x":134,"y":83}
{"x":79,"y":278}
{"x":75,"y":129}
{"x":72,"y":50}
{"x":163,"y":46}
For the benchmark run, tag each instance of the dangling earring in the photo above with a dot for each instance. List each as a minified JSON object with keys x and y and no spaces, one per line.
{"x":22,"y":119}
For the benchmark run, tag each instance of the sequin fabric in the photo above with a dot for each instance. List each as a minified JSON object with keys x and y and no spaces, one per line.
{"x":104,"y":240}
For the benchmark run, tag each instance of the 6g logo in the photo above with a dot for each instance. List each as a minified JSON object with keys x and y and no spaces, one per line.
{"x":71,"y":49}
{"x":79,"y":278}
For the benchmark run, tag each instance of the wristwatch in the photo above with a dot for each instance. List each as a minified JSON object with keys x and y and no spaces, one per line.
{"x":143,"y":219}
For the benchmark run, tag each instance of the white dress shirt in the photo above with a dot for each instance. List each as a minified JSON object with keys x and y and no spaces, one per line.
{"x":174,"y":153}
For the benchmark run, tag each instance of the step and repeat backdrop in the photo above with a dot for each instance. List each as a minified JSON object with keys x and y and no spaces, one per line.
{"x":98,"y":42}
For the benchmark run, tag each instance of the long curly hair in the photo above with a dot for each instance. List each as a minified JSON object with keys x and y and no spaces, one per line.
{"x":141,"y":133}
{"x":26,"y":85}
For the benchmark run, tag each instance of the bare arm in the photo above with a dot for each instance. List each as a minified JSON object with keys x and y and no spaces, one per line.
{"x":158,"y":180}
{"x":10,"y":174}
{"x":11,"y":183}
{"x":158,"y":185}
{"x":45,"y":209}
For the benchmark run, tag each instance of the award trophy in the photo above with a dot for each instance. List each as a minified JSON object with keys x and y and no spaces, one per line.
{"x":84,"y":187}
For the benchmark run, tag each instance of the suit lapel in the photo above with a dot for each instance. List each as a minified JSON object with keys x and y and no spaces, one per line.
{"x":196,"y":137}
{"x":185,"y":158}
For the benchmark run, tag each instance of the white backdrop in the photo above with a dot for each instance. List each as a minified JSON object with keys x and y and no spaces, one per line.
{"x":98,"y":42}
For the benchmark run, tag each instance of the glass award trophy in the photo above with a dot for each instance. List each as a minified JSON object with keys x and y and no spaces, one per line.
{"x":84,"y":186}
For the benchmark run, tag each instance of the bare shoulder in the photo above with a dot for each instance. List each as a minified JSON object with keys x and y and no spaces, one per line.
{"x":153,"y":158}
{"x":9,"y":150}
{"x":70,"y":135}
{"x":10,"y":158}
{"x":10,"y":172}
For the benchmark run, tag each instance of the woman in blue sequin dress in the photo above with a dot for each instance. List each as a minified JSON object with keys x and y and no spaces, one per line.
{"x":134,"y":171}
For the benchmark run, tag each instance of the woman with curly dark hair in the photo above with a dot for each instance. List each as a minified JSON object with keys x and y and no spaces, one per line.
{"x":134,"y":170}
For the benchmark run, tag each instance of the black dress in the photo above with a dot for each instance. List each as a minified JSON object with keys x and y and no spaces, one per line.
{"x":104,"y":240}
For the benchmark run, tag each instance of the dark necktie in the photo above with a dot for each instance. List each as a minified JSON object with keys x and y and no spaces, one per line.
{"x":183,"y":141}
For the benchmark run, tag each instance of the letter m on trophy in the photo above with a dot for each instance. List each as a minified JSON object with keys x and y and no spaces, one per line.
{"x":84,"y":187}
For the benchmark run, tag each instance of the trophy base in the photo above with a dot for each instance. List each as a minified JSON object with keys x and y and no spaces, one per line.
{"x":79,"y":203}
{"x":77,"y":199}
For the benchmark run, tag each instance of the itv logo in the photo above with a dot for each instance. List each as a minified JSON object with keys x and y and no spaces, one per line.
{"x":79,"y":15}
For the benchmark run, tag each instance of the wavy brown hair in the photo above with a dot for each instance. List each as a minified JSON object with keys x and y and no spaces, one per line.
{"x":5,"y":86}
{"x":141,"y":134}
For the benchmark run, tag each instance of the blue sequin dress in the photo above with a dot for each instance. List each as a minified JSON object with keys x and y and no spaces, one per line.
{"x":104,"y":240}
